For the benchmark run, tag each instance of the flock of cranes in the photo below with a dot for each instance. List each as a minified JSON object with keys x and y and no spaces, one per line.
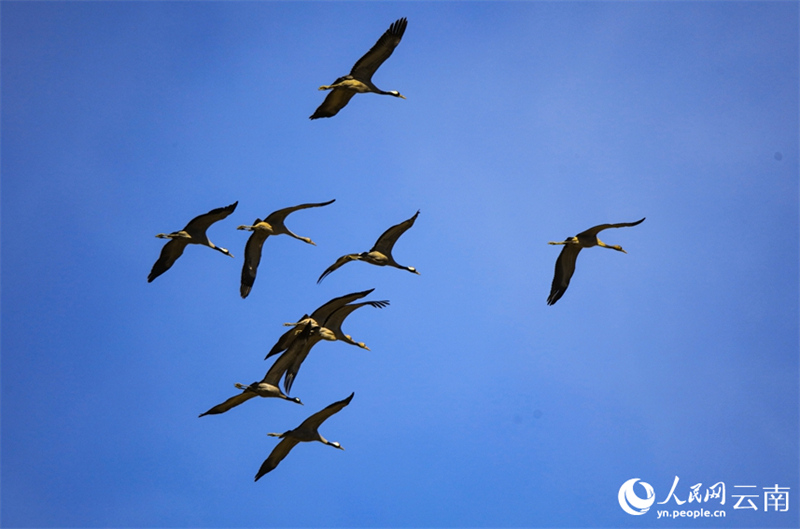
{"x":294,"y":346}
{"x":325,"y":323}
{"x":273,"y":224}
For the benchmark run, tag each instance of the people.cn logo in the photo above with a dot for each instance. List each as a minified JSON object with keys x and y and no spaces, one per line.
{"x":633,"y":504}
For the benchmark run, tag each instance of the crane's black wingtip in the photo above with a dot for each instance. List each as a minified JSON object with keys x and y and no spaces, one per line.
{"x":398,"y":27}
{"x":318,"y":114}
{"x":262,"y":473}
{"x":288,"y":381}
{"x":553,"y":297}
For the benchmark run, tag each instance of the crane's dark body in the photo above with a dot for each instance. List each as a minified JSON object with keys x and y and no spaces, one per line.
{"x":381,"y":252}
{"x":269,"y":386}
{"x":325,"y":323}
{"x":359,"y":80}
{"x":193,"y":233}
{"x":307,"y":431}
{"x":273,"y":224}
{"x":565,"y":264}
{"x":331,"y":330}
{"x":317,"y":317}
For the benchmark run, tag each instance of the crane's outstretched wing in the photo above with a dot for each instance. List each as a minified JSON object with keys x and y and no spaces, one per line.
{"x":277,"y":455}
{"x":297,"y":354}
{"x":169,"y":254}
{"x":281,"y":214}
{"x":335,"y":320}
{"x":336,"y":100}
{"x":321,"y":416}
{"x":387,"y":239}
{"x":325,"y":310}
{"x":366,"y":66}
{"x":287,"y":338}
{"x":232,"y":402}
{"x":565,"y":267}
{"x":252,"y":258}
{"x":343,"y":260}
{"x":285,"y":361}
{"x":597,"y":229}
{"x":202,"y":222}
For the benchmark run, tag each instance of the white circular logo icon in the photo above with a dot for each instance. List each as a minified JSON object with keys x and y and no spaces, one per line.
{"x":633,"y":504}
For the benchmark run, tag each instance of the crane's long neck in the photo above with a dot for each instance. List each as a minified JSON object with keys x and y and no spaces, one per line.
{"x":219,"y":249}
{"x":610,"y":246}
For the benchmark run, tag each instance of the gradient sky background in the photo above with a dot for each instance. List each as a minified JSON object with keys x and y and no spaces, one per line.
{"x":478,"y":405}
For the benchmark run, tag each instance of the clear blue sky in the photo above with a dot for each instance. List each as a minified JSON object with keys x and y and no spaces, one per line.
{"x":478,"y":405}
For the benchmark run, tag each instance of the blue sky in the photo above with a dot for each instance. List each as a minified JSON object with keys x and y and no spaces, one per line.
{"x":478,"y":405}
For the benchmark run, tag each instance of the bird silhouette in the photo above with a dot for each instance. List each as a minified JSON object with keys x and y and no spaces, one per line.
{"x":317,"y":317}
{"x":331,"y":330}
{"x":193,"y":233}
{"x":565,"y":264}
{"x":381,"y":252}
{"x":269,"y":385}
{"x":307,"y":431}
{"x":273,"y":224}
{"x":359,"y":80}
